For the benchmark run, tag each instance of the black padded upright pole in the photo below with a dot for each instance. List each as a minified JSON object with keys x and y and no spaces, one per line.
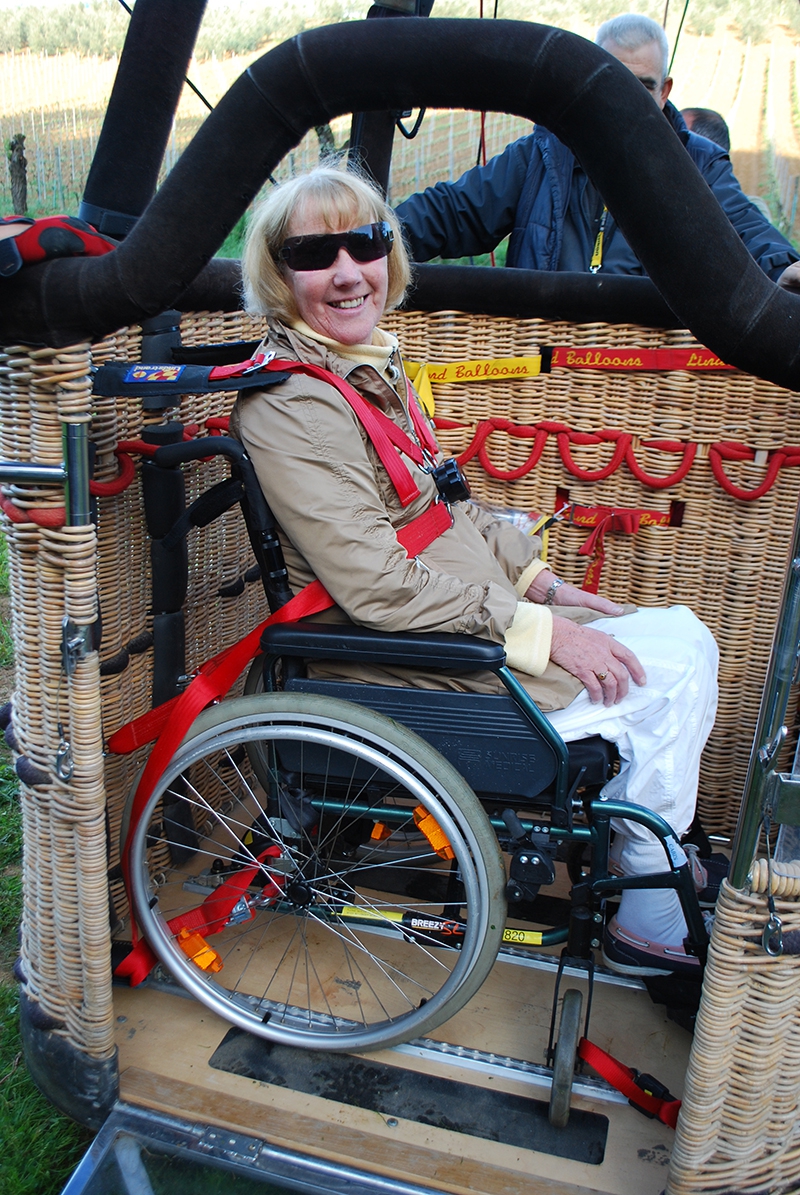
{"x":372,"y":133}
{"x":164,"y":495}
{"x":150,"y":77}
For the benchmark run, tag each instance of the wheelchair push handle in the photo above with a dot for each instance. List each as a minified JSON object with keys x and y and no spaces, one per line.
{"x":169,"y":456}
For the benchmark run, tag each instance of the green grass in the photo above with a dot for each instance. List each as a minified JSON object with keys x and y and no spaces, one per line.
{"x":232,"y":245}
{"x":40,"y":1147}
{"x":482,"y":259}
{"x":3,"y":565}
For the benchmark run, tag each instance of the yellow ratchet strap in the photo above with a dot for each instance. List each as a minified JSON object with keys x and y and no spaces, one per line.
{"x":486,"y":369}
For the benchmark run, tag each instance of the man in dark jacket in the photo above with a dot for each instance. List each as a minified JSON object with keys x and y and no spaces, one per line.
{"x":537,"y":191}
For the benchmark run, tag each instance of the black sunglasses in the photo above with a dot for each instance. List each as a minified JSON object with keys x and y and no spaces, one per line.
{"x":369,"y":243}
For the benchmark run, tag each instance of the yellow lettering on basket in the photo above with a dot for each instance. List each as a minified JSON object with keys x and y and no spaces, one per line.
{"x":482,"y":370}
{"x":699,"y":361}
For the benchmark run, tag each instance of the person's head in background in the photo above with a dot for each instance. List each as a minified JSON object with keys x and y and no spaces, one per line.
{"x":639,"y":43}
{"x":705,"y":122}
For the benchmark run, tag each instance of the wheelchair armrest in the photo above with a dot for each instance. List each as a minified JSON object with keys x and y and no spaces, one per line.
{"x":333,"y":641}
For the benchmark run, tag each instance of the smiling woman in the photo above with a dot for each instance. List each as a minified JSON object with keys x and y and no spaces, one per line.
{"x":351,"y":468}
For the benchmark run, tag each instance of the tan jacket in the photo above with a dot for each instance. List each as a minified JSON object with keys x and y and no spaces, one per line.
{"x":338,"y":513}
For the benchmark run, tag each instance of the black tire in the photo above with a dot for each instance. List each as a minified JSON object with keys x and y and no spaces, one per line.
{"x":339,"y":947}
{"x":569,"y":1032}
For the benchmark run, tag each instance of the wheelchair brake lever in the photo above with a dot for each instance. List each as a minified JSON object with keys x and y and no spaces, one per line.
{"x":514,"y":826}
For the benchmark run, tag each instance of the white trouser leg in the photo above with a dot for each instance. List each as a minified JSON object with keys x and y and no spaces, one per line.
{"x":660,"y":730}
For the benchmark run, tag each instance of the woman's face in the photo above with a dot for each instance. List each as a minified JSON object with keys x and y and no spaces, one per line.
{"x":345,"y":301}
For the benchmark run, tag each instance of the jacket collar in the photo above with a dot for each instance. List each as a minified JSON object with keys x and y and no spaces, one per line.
{"x":286,"y":341}
{"x":676,"y":120}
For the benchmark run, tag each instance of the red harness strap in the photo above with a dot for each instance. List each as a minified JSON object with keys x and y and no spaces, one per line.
{"x":664,"y":1108}
{"x":382,"y":431}
{"x":417,"y":535}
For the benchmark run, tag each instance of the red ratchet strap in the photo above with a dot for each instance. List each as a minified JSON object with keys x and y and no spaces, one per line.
{"x":663,"y":1107}
{"x":208,"y":918}
{"x":172,"y":720}
{"x":625,"y":359}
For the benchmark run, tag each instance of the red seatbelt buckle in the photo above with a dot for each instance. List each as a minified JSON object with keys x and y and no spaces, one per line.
{"x":650,"y":1086}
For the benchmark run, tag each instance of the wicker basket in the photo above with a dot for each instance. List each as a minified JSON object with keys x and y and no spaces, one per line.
{"x":726,"y":560}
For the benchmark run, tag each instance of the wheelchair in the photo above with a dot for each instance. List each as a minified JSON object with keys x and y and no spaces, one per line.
{"x":330,"y":864}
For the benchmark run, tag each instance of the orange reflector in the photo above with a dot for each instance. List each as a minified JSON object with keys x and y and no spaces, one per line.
{"x":434,"y":833}
{"x":198,"y":950}
{"x":380,"y":831}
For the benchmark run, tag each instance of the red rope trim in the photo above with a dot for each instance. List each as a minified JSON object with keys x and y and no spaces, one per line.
{"x":567,"y":438}
{"x":108,"y":489}
{"x":218,"y":425}
{"x":51,"y":517}
{"x":662,"y":483}
{"x":56,"y":516}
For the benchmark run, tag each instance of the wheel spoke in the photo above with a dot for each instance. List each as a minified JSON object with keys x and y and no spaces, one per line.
{"x":321,"y":955}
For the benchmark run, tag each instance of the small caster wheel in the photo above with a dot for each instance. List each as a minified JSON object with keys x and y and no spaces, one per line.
{"x":569,"y":1032}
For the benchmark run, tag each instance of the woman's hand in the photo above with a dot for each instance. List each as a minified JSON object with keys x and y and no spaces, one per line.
{"x":603,"y":665}
{"x":570,"y":595}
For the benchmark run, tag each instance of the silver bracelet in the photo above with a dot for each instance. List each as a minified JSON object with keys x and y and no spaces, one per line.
{"x":550,"y":596}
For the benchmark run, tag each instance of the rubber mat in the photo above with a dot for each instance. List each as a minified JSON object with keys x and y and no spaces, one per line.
{"x":427,"y":1099}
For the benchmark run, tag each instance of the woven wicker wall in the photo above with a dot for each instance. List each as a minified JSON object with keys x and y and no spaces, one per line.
{"x":71,"y":827}
{"x":727,"y":561}
{"x":739,"y":1127}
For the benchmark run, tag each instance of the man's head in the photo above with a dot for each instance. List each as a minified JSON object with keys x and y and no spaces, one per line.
{"x":708,"y":123}
{"x":640,"y":44}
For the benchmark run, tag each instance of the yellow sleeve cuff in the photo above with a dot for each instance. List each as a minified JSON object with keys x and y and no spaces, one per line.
{"x":528,"y":574}
{"x":528,"y":638}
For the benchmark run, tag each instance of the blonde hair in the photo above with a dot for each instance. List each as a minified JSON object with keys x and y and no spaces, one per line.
{"x":342,"y":199}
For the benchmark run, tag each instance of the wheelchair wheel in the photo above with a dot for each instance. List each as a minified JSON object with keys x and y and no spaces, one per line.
{"x":256,"y":885}
{"x":569,"y":1032}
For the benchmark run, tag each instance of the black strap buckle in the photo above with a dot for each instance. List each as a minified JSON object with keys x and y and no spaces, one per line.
{"x":650,"y":1086}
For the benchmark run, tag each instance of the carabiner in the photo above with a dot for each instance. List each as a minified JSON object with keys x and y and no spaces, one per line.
{"x":772,"y":936}
{"x":65,"y":765}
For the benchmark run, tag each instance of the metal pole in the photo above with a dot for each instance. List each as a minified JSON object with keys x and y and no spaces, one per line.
{"x":770,"y":729}
{"x":76,"y":485}
{"x":22,"y":473}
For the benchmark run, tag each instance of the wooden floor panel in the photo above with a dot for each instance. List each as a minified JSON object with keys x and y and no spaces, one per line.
{"x":165,"y":1042}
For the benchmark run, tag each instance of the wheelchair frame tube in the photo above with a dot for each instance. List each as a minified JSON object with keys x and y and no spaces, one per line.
{"x":678,"y":877}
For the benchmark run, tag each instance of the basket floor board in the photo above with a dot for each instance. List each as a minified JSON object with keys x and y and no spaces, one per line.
{"x":166,"y":1040}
